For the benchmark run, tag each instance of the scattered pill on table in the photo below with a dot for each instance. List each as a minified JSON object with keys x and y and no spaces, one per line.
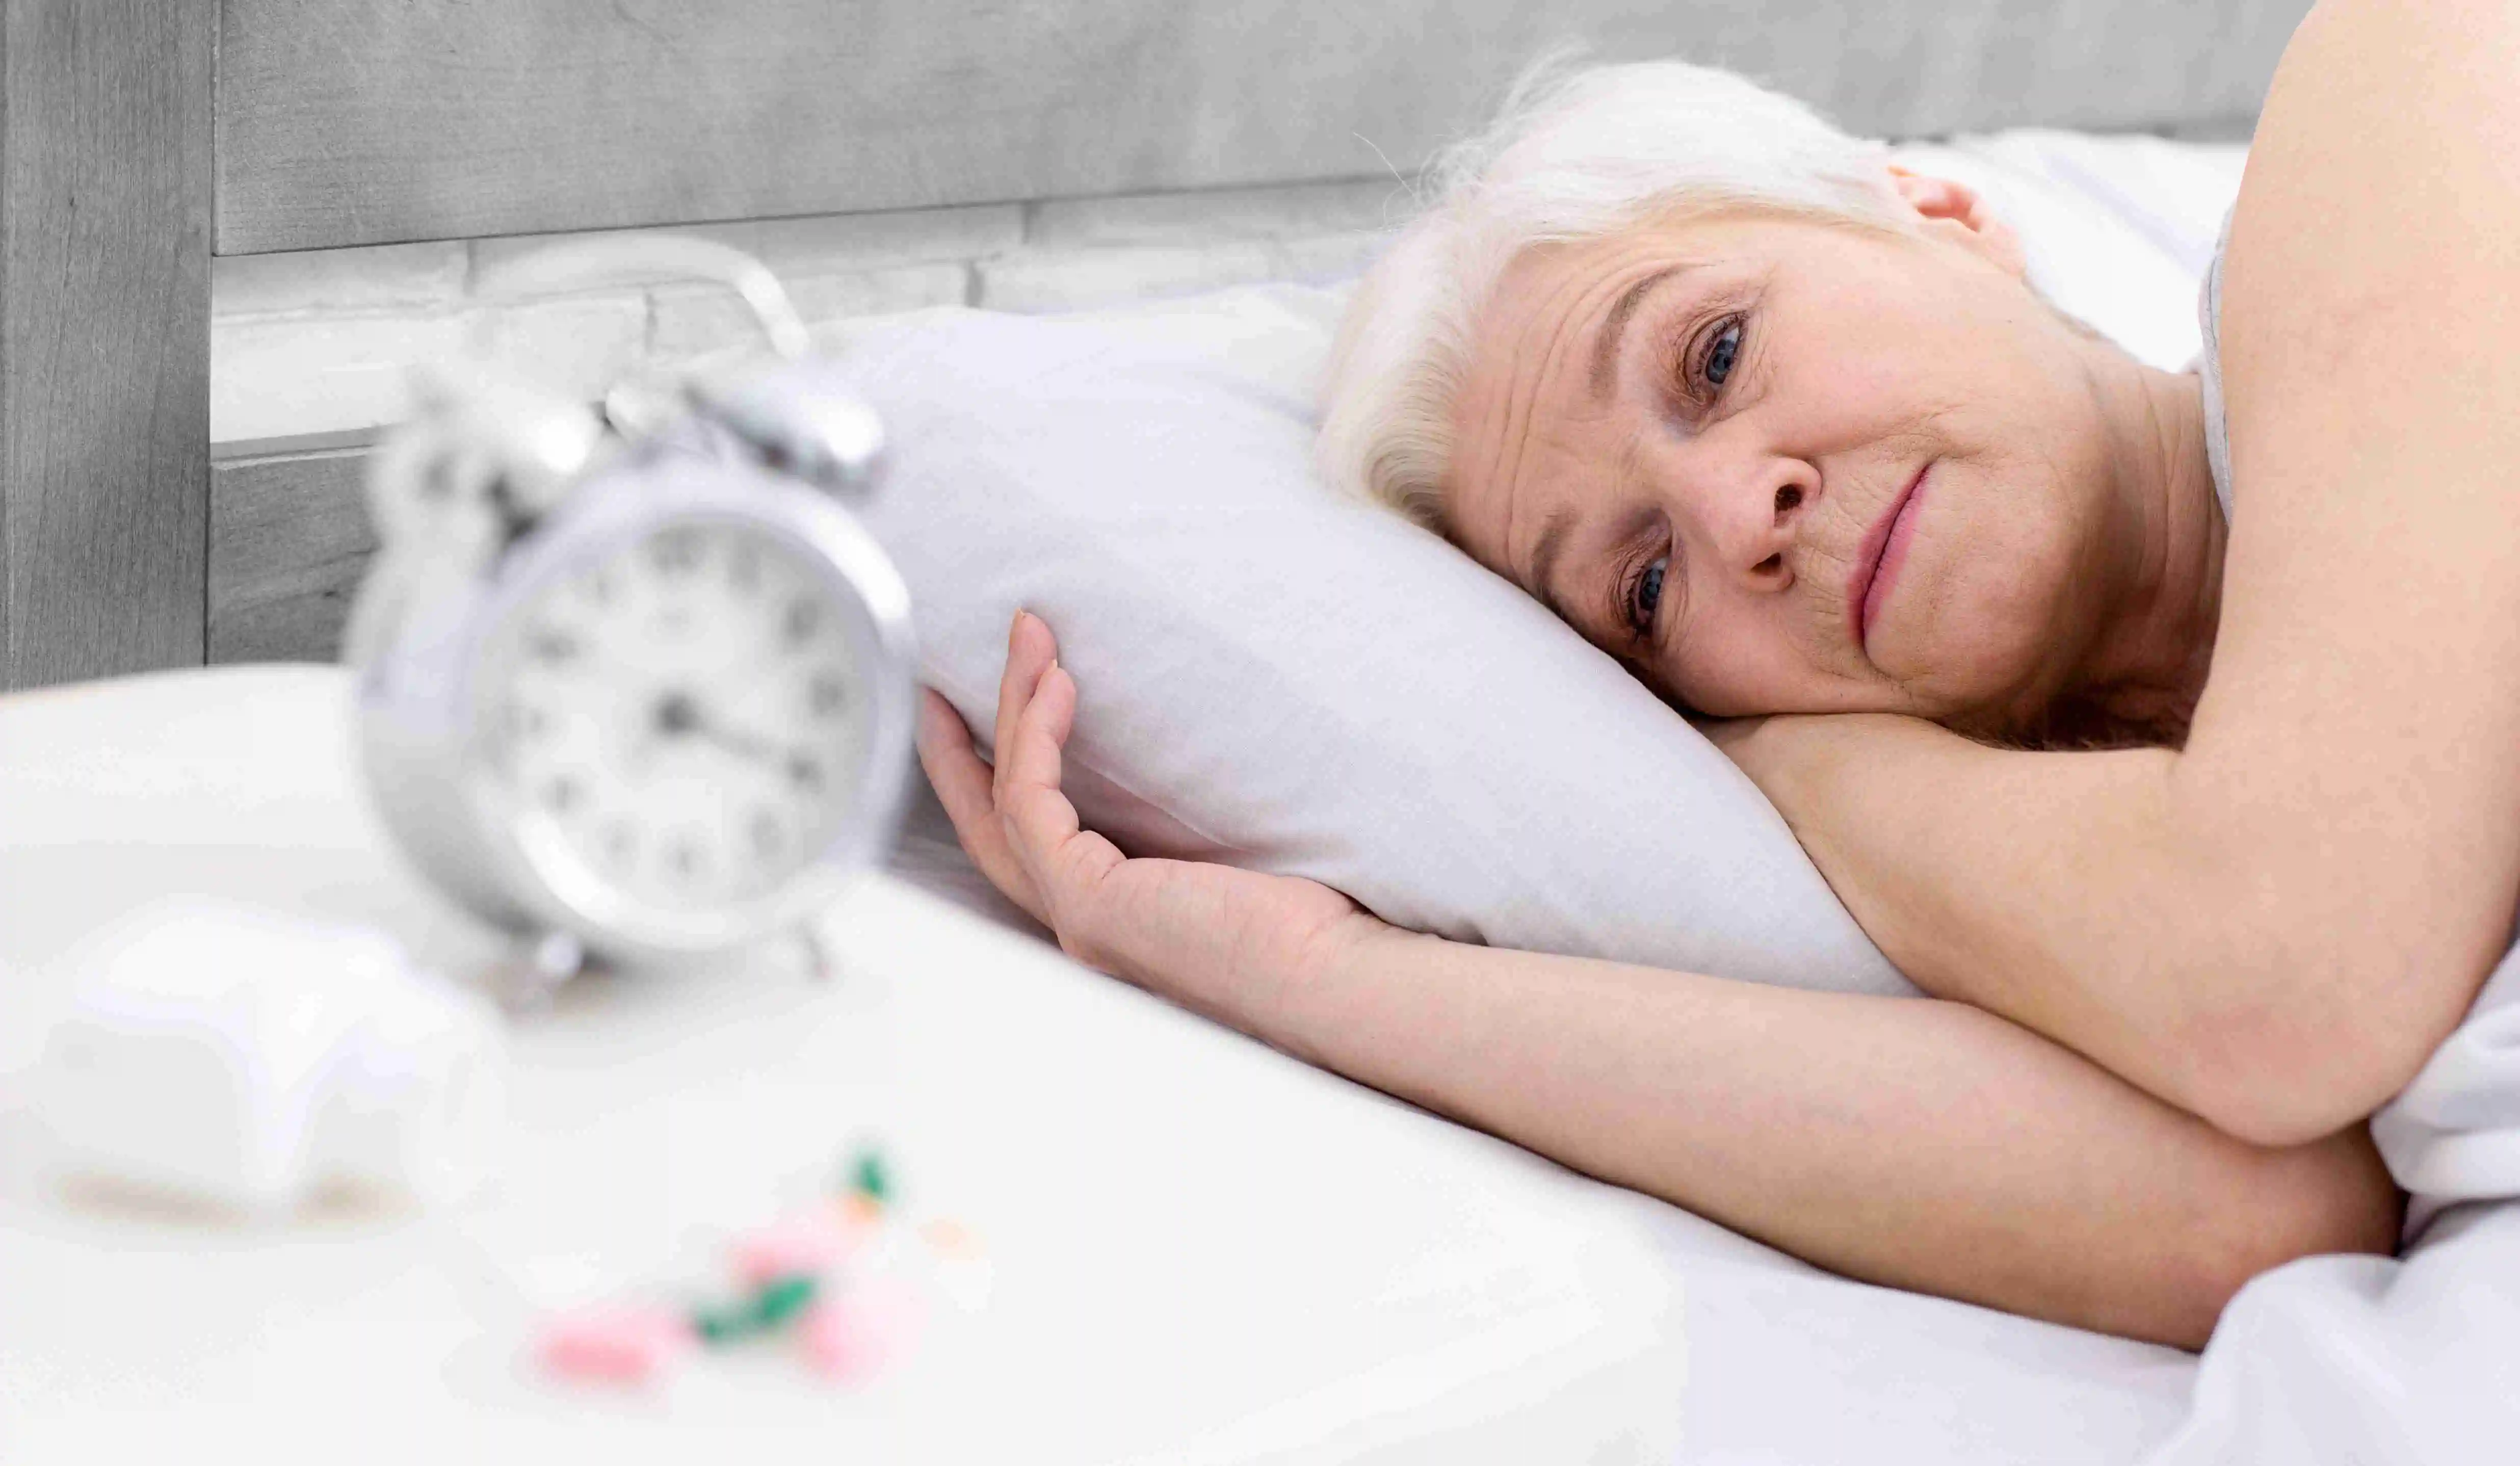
{"x":862,"y":1330}
{"x":623,"y":1343}
{"x":771,"y":1304}
{"x":807,"y":1243}
{"x":859,"y":1210}
{"x":830,"y":1278}
{"x":778,"y":1302}
{"x":869,"y":1176}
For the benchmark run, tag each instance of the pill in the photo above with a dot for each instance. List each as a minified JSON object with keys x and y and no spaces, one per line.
{"x":725,"y":1325}
{"x":771,"y":1304}
{"x":853,"y":1334}
{"x":859,"y":1211}
{"x":616,"y":1343}
{"x":869,"y":1176}
{"x":783,"y":1298}
{"x":809,"y":1244}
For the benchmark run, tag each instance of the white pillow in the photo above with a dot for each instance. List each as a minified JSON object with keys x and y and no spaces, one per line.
{"x":1277,"y":678}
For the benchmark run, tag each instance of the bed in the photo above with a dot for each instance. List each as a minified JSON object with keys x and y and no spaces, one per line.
{"x":138,"y":139}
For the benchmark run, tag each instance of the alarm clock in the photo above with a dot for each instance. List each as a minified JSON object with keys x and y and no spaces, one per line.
{"x":644,"y":696}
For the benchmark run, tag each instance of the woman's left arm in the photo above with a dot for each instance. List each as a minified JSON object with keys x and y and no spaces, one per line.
{"x":2278,"y":971}
{"x":2275,"y":926}
{"x":2055,"y":889}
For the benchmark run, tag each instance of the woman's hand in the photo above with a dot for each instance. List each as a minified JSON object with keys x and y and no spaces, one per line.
{"x":1231,"y":943}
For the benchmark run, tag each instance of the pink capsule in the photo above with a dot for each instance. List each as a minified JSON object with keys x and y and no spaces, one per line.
{"x":863,"y":1329}
{"x":622,"y":1344}
{"x":812,"y":1244}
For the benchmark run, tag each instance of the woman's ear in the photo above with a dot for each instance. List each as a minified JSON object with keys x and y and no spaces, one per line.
{"x":1960,"y":214}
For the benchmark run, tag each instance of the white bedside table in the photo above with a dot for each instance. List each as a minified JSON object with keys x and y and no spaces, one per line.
{"x":1202,"y":1251}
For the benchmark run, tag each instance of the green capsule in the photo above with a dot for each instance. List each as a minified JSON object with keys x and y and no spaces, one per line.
{"x":783,"y":1298}
{"x":725,"y":1325}
{"x":870,"y":1177}
{"x":771,"y":1305}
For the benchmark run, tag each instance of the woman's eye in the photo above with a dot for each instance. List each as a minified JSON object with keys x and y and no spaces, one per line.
{"x":1722,"y":353}
{"x":1646,"y":597}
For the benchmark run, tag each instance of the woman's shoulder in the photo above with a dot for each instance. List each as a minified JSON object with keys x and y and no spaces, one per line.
{"x":2364,"y":326}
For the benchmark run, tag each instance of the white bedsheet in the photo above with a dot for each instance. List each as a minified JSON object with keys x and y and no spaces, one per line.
{"x":2412,"y":1359}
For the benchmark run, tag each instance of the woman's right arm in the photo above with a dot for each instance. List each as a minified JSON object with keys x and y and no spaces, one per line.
{"x":1914,"y":1142}
{"x":1908,"y":1141}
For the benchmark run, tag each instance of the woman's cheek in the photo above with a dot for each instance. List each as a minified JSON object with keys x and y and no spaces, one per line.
{"x":1726,"y":673}
{"x":2002,"y":610}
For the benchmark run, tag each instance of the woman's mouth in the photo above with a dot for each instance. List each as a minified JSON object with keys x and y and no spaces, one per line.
{"x":1877,"y":559}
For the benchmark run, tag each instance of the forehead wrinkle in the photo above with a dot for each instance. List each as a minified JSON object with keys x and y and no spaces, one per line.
{"x":1526,"y":388}
{"x":1562,"y":325}
{"x":1625,"y":466}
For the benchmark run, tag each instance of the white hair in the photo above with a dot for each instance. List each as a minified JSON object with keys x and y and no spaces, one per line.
{"x":1572,"y":155}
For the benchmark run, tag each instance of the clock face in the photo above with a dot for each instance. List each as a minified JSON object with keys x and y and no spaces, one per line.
{"x":684,"y":718}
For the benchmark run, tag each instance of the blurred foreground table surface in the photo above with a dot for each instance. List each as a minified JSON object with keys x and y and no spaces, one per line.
{"x":1200,"y":1250}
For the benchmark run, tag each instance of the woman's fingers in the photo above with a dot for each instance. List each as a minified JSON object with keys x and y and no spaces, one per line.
{"x":1065,"y":862}
{"x":1030,"y":651}
{"x":1015,"y":822}
{"x":964,"y":785}
{"x":945,"y":751}
{"x":1033,"y":765}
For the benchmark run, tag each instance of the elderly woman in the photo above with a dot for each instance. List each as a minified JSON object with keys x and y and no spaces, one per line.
{"x":2163,"y":728}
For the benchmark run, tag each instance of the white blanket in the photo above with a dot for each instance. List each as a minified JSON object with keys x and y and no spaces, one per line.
{"x":2378,"y":1360}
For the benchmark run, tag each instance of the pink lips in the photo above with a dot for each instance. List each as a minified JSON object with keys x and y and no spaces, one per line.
{"x":1877,"y":559}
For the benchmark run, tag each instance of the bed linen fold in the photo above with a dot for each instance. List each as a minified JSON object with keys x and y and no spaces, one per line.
{"x":2414,"y":1358}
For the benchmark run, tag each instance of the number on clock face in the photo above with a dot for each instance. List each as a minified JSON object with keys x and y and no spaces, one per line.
{"x":684,"y":713}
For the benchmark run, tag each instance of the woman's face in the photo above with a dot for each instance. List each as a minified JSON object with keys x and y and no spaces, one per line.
{"x":1779,"y":464}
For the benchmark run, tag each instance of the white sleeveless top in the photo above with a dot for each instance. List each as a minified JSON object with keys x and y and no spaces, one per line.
{"x":2209,"y":367}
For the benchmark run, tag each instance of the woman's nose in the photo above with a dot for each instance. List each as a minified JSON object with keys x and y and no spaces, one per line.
{"x":1759,"y":525}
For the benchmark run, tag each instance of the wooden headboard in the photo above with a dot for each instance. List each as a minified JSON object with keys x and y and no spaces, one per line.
{"x":138,"y":137}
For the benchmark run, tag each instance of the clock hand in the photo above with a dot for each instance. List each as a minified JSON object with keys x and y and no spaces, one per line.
{"x":749,"y":746}
{"x":680,"y":715}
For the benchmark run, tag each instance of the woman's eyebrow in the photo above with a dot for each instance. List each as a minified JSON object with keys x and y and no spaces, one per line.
{"x":1543,"y":562}
{"x":1615,"y":327}
{"x":1542,"y":580}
